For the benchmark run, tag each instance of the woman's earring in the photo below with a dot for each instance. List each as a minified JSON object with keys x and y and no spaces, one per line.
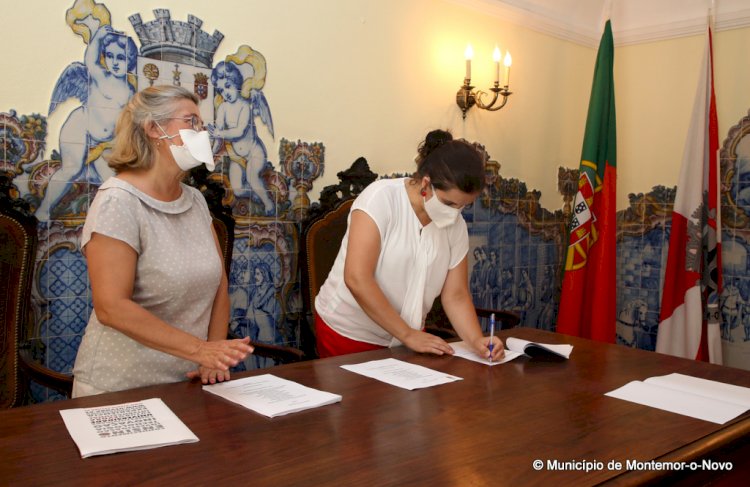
{"x":424,"y":192}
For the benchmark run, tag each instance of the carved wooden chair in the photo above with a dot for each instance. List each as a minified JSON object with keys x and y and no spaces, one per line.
{"x":18,"y":242}
{"x":224,"y":225}
{"x":321,"y":242}
{"x":18,"y":245}
{"x":322,"y":233}
{"x":438,"y":323}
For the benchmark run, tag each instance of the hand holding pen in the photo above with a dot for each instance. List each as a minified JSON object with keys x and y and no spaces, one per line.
{"x":492,"y":334}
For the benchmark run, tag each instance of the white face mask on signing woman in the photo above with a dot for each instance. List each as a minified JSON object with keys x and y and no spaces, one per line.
{"x":196,"y":149}
{"x":441,"y":214}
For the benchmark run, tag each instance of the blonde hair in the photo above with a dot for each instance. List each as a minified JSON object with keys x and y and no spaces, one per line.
{"x":133,"y":148}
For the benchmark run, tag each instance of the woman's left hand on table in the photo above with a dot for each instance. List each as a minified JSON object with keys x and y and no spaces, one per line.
{"x":209,"y":376}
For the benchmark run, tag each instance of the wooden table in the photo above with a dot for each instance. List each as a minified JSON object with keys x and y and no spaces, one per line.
{"x":484,"y":430}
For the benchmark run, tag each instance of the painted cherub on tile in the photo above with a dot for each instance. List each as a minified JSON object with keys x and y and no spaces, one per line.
{"x":103,"y":84}
{"x":238,"y":82}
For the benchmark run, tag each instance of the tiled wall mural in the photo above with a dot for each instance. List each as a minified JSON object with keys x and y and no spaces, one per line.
{"x":267,"y":203}
{"x":515,"y":244}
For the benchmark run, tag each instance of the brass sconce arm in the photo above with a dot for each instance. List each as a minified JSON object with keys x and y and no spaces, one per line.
{"x":496,"y":90}
{"x":467,"y":98}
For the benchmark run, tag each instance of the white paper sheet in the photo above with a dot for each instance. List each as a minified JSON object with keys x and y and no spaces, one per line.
{"x":709,"y":388}
{"x":272,"y":396}
{"x":125,"y":427}
{"x":698,"y":403}
{"x":401,"y":374}
{"x":464,"y":350}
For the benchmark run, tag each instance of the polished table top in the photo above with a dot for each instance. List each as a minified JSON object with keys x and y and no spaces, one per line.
{"x":484,"y":430}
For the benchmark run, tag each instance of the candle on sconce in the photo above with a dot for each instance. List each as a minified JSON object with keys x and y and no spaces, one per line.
{"x":496,"y":97}
{"x":507,"y":62}
{"x":496,"y":55}
{"x":468,"y":54}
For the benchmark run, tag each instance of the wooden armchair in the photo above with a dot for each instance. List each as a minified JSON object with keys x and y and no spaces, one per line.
{"x":438,"y":324}
{"x":18,"y":245}
{"x":18,"y":242}
{"x":224,"y":225}
{"x":321,"y":242}
{"x":322,"y":233}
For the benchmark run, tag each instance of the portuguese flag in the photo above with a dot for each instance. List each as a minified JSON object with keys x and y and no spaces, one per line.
{"x":588,"y":300}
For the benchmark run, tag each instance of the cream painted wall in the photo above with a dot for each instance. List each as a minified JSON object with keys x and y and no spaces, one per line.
{"x":366,"y":77}
{"x":655,"y":89}
{"x":370,"y":77}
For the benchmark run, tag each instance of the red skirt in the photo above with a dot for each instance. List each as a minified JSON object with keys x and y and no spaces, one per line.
{"x":331,"y":344}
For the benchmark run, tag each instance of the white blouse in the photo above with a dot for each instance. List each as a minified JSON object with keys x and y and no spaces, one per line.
{"x":412,"y":267}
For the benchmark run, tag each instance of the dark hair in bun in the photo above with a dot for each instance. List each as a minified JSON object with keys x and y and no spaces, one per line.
{"x":434,"y":139}
{"x":451,"y":163}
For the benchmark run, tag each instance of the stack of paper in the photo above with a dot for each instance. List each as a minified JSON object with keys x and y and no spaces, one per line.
{"x":691,"y":396}
{"x":401,"y":374}
{"x":272,"y":396}
{"x":125,"y":427}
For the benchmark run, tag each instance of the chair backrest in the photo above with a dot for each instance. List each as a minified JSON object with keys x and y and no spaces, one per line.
{"x":504,"y":320}
{"x":18,"y":244}
{"x":322,"y":232}
{"x":213,"y":190}
{"x":322,"y":243}
{"x":224,"y":227}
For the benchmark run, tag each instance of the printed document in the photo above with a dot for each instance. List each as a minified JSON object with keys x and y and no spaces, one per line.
{"x":401,"y":374}
{"x":125,"y":427}
{"x":516,"y":348}
{"x":272,"y":396}
{"x":464,"y":350}
{"x":708,"y":400}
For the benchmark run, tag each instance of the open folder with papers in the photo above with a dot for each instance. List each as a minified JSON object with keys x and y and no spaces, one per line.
{"x":691,"y":396}
{"x":516,"y":348}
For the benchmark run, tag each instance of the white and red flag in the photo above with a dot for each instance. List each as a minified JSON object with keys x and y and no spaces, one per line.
{"x":690,"y":319}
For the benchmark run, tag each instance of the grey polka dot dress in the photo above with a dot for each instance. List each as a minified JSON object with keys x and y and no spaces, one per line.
{"x":177,"y":275}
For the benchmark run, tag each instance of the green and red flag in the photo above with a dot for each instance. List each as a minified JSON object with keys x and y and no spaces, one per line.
{"x":588,"y":300}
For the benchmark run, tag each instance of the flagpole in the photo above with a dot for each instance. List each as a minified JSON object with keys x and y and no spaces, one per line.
{"x":606,"y":13}
{"x":712,"y":15}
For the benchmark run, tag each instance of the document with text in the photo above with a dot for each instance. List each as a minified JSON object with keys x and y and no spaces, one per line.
{"x":704,"y":399}
{"x":401,"y":374}
{"x":125,"y":427}
{"x":515,"y":348}
{"x":464,"y":350}
{"x":272,"y":396}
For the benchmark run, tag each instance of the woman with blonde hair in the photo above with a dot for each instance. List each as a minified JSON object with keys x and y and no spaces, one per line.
{"x":161,"y":302}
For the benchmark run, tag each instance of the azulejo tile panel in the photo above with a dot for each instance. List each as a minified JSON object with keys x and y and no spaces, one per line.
{"x":516,"y":245}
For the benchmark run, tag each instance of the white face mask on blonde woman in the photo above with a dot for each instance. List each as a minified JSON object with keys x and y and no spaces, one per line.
{"x":196,"y":149}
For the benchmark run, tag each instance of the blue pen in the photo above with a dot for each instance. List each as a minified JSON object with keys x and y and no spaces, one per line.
{"x":492,"y":334}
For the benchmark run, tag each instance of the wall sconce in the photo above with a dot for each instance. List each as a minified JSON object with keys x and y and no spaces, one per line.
{"x":466,"y":98}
